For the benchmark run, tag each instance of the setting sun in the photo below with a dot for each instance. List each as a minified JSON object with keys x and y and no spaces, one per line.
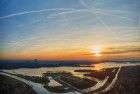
{"x":97,"y":51}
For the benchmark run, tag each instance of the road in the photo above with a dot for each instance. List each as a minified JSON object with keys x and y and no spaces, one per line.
{"x":113,"y":82}
{"x":38,"y":88}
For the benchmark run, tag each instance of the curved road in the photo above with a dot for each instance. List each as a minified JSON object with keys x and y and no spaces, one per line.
{"x":112,"y":83}
{"x":38,"y":88}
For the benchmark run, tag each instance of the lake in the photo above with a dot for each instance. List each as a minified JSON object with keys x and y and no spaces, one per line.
{"x":39,"y":71}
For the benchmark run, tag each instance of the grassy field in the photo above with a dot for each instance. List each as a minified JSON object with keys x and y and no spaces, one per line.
{"x":128,"y":81}
{"x":12,"y":86}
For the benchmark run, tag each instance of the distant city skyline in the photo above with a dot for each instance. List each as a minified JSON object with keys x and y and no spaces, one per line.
{"x":70,"y":29}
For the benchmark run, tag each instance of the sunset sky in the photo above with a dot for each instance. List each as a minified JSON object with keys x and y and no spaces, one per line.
{"x":70,"y":29}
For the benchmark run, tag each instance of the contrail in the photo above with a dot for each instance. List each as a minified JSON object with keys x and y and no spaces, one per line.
{"x":100,"y":19}
{"x":65,"y":12}
{"x":84,"y":4}
{"x":111,"y":10}
{"x":123,"y":17}
{"x":86,"y":10}
{"x":106,"y":13}
{"x":54,"y":15}
{"x":34,"y":11}
{"x":68,"y":12}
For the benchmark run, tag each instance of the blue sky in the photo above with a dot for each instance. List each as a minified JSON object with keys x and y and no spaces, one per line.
{"x":55,"y":25}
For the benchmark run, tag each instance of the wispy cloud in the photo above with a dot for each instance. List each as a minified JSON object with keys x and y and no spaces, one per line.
{"x":122,"y":49}
{"x":121,"y":52}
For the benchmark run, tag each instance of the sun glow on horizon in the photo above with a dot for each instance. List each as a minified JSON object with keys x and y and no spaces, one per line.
{"x":97,"y":51}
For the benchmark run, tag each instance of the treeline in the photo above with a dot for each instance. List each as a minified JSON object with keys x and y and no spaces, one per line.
{"x":13,"y":64}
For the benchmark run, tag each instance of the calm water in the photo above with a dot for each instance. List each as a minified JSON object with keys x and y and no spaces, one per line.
{"x":39,"y":71}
